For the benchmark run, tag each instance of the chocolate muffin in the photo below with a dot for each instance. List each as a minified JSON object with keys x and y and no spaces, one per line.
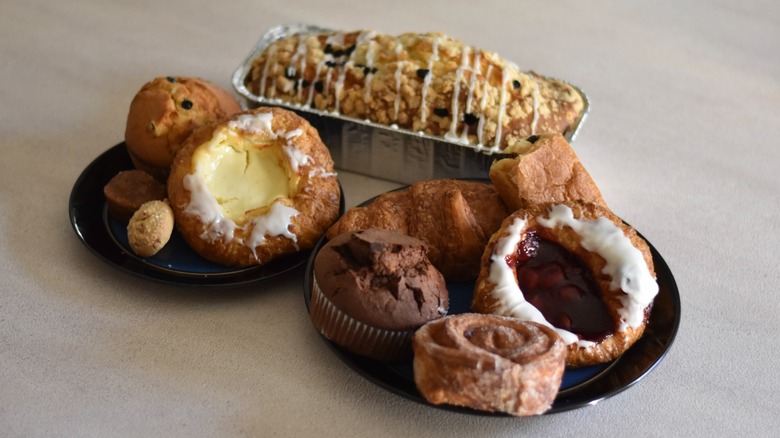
{"x":372,"y":289}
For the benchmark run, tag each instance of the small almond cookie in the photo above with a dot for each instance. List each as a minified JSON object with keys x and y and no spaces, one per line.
{"x":150,"y":228}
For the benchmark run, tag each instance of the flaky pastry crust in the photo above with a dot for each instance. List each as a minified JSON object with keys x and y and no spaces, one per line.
{"x":486,"y":300}
{"x":312,"y":202}
{"x":455,"y":218}
{"x":489,"y":362}
{"x":545,"y":169}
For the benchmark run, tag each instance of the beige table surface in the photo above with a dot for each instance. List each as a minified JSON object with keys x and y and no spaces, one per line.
{"x":682,"y":139}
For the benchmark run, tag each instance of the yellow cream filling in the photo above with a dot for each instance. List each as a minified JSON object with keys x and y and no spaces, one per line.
{"x":244,"y":175}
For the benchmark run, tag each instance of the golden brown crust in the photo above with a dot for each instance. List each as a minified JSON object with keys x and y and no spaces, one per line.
{"x":547,"y":170}
{"x":454,"y":218}
{"x":164,"y":112}
{"x":418,"y":81}
{"x":150,"y":228}
{"x":485,"y":301}
{"x":314,"y":193}
{"x":489,"y":362}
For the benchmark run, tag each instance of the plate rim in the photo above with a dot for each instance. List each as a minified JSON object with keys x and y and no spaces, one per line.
{"x":86,"y":209}
{"x":569,"y":399}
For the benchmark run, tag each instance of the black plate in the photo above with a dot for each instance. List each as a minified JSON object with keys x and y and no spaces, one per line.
{"x":580,"y":387}
{"x":176,"y":263}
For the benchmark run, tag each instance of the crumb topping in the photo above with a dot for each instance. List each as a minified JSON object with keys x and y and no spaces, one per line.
{"x":426,"y":82}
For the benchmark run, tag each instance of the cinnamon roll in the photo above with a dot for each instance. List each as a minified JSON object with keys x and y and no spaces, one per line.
{"x":489,"y":362}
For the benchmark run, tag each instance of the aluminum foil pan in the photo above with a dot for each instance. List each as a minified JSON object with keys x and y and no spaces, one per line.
{"x":381,"y":151}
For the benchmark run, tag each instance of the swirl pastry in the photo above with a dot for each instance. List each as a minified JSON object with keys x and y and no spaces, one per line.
{"x":573,"y":266}
{"x":489,"y":362}
{"x":454,"y":218}
{"x":426,"y":82}
{"x":544,"y":169}
{"x":253,"y":187}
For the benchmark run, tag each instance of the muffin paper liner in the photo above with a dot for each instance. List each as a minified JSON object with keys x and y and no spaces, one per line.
{"x":354,"y":335}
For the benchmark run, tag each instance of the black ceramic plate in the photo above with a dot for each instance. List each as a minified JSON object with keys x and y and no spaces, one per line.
{"x":580,"y":387}
{"x":176,"y":262}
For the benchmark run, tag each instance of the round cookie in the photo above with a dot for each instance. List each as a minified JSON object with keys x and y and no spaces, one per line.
{"x":165,"y":112}
{"x":150,"y":228}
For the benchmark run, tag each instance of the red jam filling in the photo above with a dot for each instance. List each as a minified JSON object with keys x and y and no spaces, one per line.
{"x":562,"y":287}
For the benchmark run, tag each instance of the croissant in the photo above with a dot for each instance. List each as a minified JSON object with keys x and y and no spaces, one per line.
{"x":544,"y":169}
{"x":426,"y":82}
{"x":455,"y":218}
{"x":489,"y":362}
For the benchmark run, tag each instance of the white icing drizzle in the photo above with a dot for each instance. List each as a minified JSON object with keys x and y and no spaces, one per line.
{"x":254,"y":123}
{"x":321,"y":172}
{"x":328,"y":75}
{"x":336,"y":38}
{"x":300,"y":53}
{"x":482,"y":105}
{"x":292,"y":134}
{"x":624,"y":262}
{"x":207,"y":209}
{"x":339,"y":85}
{"x":297,"y":158}
{"x":535,"y":95}
{"x":275,"y":222}
{"x":362,"y":38}
{"x":274,"y":77}
{"x":428,"y":78}
{"x":369,"y":75}
{"x":266,"y":68}
{"x":476,"y":69}
{"x":501,"y":107}
{"x":506,"y":291}
{"x":317,"y":72}
{"x":464,"y":62}
{"x":398,"y":72}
